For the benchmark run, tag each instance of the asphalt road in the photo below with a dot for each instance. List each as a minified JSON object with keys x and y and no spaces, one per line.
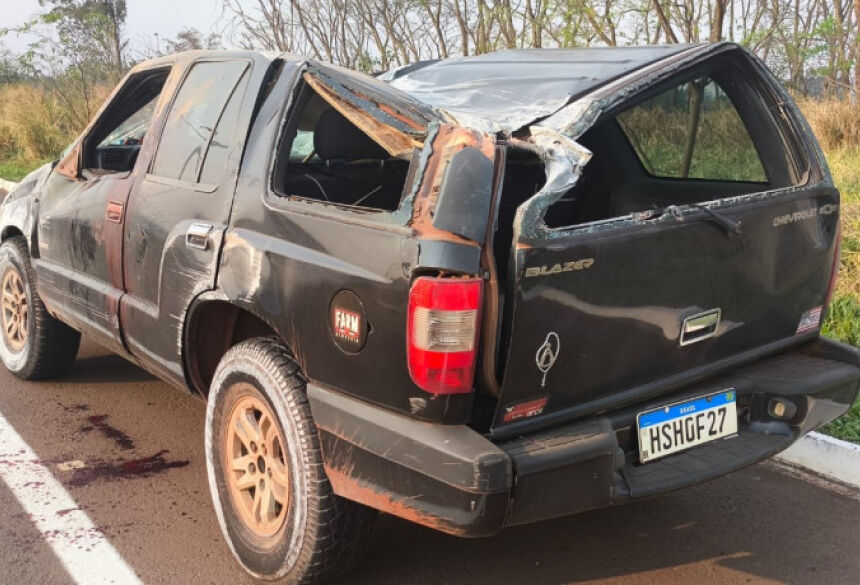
{"x":143,"y":484}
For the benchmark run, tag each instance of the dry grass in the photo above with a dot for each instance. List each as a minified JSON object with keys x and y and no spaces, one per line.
{"x":31,"y":125}
{"x":36,"y":124}
{"x":660,"y":134}
{"x":836,"y":122}
{"x":837,"y":126}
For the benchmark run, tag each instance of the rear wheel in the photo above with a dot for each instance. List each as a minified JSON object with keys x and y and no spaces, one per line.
{"x":33,"y":345}
{"x":273,"y":499}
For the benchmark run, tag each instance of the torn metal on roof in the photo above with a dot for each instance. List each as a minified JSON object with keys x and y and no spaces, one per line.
{"x":509,"y":90}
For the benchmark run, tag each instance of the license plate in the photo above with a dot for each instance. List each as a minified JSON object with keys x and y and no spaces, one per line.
{"x":687,"y":424}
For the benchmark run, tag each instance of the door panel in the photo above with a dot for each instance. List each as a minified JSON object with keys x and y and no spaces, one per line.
{"x":174,"y":221}
{"x":168,"y":264}
{"x":82,"y":211}
{"x":79,"y":252}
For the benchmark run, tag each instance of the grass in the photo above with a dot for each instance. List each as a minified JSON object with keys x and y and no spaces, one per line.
{"x":843,"y":318}
{"x":12,"y":171}
{"x":847,"y":427}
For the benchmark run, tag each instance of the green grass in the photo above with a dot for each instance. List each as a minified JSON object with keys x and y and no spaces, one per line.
{"x":845,"y":165}
{"x":843,"y":323}
{"x":843,"y":317}
{"x":847,"y":427}
{"x":12,"y":171}
{"x":843,"y":320}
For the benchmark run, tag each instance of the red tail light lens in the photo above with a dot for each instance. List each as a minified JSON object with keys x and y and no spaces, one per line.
{"x":442,"y":333}
{"x":834,"y":271}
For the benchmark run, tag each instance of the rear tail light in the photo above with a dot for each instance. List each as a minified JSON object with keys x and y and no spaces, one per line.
{"x":834,"y":271}
{"x":442,"y":333}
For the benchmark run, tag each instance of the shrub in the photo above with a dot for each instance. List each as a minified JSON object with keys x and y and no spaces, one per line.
{"x":836,"y":122}
{"x":32,"y":124}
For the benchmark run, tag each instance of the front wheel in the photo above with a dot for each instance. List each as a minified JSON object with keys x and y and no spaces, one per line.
{"x":274,"y":503}
{"x":33,"y":344}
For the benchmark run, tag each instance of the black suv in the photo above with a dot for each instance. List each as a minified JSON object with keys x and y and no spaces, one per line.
{"x":472,"y":293}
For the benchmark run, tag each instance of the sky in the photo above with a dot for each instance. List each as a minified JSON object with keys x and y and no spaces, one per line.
{"x":145,"y":19}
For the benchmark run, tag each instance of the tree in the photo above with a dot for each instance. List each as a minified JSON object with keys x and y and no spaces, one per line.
{"x":79,"y":48}
{"x":857,"y":52}
{"x":90,"y":30}
{"x":10,"y":68}
{"x":801,"y":40}
{"x":191,"y":39}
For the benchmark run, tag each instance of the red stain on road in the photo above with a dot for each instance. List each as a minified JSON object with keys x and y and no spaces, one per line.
{"x":120,"y":470}
{"x":122,"y":440}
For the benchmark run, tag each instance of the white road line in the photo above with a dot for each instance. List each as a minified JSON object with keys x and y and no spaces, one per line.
{"x":82,"y":548}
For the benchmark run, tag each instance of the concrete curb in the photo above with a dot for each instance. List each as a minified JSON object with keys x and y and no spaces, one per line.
{"x":826,"y":456}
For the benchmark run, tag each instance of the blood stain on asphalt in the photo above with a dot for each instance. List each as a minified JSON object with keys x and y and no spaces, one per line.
{"x":97,"y":421}
{"x":119,"y":470}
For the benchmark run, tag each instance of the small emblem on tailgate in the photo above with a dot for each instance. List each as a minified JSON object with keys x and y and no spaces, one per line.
{"x":583,"y":264}
{"x":546,"y":355}
{"x":525,"y":409}
{"x":804,"y":214}
{"x":809,"y":320}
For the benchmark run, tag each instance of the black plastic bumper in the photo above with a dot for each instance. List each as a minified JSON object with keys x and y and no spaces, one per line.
{"x":453,"y":479}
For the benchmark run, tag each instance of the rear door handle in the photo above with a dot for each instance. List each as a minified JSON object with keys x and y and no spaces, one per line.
{"x":197,"y":235}
{"x":700,"y":326}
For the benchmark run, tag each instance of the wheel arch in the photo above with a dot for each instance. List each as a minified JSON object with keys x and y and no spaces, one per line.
{"x":10,"y":231}
{"x":215,"y":324}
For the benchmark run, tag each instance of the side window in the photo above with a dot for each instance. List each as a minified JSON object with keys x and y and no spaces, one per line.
{"x":692,"y":132}
{"x":215,"y":160}
{"x":190,"y":129}
{"x":327,"y":157}
{"x":116,"y":138}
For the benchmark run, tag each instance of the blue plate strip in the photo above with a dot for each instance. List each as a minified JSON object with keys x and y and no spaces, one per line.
{"x":654,"y":417}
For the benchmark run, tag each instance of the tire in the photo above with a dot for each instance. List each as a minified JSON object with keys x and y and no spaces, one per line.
{"x":301,"y":531}
{"x":39,"y":346}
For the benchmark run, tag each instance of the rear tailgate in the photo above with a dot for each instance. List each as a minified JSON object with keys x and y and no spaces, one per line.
{"x":622,"y":310}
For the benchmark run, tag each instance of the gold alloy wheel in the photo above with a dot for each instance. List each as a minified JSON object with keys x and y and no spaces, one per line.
{"x":256,"y":463}
{"x":15,"y":310}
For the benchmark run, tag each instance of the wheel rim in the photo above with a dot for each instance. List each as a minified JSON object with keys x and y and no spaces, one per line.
{"x":257,"y":470}
{"x":15,"y":311}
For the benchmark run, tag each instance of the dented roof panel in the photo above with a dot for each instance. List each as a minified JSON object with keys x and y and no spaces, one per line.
{"x":393,"y":106}
{"x":508,"y":90}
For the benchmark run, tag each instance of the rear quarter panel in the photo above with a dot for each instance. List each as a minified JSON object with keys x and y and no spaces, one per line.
{"x":284,"y":261}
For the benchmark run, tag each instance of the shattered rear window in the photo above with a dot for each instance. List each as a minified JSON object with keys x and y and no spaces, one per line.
{"x":692,"y":132}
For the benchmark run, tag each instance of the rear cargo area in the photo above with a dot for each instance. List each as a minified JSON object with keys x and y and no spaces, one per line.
{"x":700,"y":236}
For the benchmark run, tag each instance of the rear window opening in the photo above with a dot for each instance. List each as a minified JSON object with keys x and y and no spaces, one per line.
{"x":325,"y":157}
{"x":706,"y":136}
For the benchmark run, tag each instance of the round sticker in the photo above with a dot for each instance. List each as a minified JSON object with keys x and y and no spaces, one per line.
{"x":347,"y":321}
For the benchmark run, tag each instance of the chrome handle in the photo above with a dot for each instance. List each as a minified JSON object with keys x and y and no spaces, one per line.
{"x":700,"y":326}
{"x":197,"y":235}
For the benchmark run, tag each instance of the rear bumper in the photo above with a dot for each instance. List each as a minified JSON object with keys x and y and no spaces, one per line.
{"x":457,"y":481}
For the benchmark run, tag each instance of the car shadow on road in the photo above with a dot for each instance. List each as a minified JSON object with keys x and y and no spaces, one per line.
{"x":735,"y":530}
{"x":105,"y":369}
